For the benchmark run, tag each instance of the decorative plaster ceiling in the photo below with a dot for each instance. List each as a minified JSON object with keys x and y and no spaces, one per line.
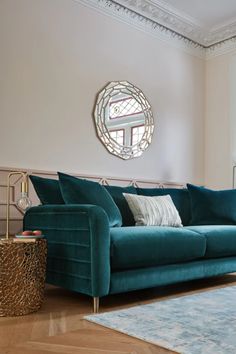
{"x":204,"y":28}
{"x":206,"y":22}
{"x":209,"y":13}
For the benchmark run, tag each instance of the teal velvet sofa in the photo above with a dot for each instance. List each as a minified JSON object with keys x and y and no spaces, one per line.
{"x":87,"y":255}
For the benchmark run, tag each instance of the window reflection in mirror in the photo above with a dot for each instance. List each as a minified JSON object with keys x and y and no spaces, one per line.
{"x":118,"y":135}
{"x":125,"y":119}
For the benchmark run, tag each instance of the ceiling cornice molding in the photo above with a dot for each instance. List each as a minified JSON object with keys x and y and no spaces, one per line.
{"x":149,"y":25}
{"x":221,"y":33}
{"x":123,"y":14}
{"x":166,"y":8}
{"x":225,"y":47}
{"x":180,"y":22}
{"x":169,"y":17}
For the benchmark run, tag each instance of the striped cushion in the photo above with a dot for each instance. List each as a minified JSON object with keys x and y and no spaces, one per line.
{"x":159,"y":211}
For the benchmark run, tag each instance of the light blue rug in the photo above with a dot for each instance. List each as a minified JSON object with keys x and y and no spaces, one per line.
{"x":195,"y":324}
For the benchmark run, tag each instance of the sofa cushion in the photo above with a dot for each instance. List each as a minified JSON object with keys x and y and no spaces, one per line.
{"x":220,"y":239}
{"x":117,"y":194}
{"x":81,"y":191}
{"x":179,"y":196}
{"x":211,"y":207}
{"x":47,"y":189}
{"x":153,"y":211}
{"x":133,"y":247}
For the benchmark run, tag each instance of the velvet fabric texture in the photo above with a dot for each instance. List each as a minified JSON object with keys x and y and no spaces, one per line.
{"x":143,"y":278}
{"x":212,"y":207}
{"x":82,"y":246}
{"x":81,"y":191}
{"x":134,"y":247}
{"x":48,"y":190}
{"x":220,"y":239}
{"x":179,"y":196}
{"x":78,"y":246}
{"x":117,"y":194}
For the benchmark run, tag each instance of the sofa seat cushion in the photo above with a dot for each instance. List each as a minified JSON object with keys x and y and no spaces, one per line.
{"x":134,"y":247}
{"x":220,"y":239}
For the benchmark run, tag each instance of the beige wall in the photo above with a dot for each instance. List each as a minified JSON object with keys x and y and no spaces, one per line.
{"x":56,"y":55}
{"x":220,"y":121}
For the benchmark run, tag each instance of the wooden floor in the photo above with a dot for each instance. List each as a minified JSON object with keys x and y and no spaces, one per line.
{"x":59,"y":326}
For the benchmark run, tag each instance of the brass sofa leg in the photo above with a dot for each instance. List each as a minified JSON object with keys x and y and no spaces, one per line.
{"x":95,"y":304}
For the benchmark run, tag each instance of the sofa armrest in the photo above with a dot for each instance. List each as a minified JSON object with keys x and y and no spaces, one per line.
{"x":78,"y":245}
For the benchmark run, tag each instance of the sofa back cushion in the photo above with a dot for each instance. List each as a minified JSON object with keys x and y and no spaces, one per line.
{"x":81,"y":191}
{"x":212,"y":207}
{"x":47,"y":190}
{"x":153,"y":211}
{"x":179,"y":196}
{"x":117,"y":194}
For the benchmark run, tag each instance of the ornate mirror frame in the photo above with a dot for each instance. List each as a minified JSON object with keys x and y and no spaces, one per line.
{"x":102,"y":105}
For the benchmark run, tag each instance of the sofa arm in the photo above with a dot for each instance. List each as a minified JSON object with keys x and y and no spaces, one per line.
{"x":78,"y":246}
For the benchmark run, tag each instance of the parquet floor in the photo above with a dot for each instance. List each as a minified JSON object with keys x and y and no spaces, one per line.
{"x":59,"y":326}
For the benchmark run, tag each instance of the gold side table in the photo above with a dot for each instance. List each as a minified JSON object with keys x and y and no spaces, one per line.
{"x":22,"y":276}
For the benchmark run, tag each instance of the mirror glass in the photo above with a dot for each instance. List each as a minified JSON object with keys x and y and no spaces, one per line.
{"x":123,"y":119}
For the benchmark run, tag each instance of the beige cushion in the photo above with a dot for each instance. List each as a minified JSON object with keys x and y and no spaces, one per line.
{"x":158,"y":211}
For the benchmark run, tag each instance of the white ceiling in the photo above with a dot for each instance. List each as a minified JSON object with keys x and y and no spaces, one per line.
{"x":208,"y":13}
{"x":205,"y":22}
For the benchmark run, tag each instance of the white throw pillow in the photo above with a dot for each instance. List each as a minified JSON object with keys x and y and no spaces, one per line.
{"x":150,"y":211}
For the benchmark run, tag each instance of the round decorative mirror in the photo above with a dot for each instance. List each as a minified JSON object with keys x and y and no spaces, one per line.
{"x":123,"y":119}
